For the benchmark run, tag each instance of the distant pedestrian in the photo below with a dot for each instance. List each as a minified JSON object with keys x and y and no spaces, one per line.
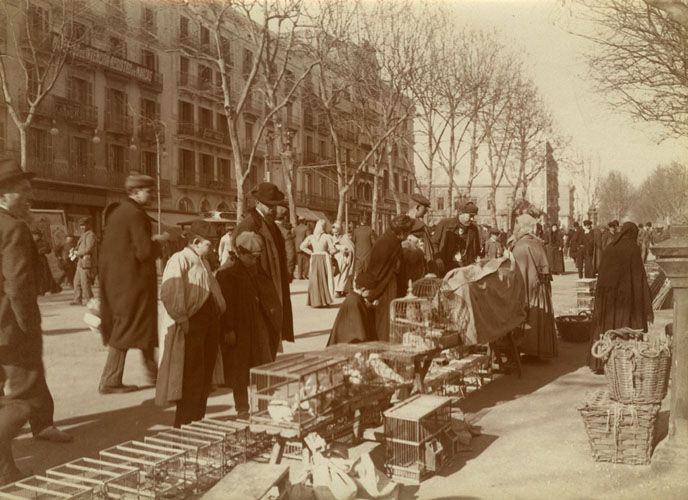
{"x":363,"y":237}
{"x":645,"y":239}
{"x":344,"y":257}
{"x":577,"y":245}
{"x":224,"y":249}
{"x":622,"y":298}
{"x":128,"y":285}
{"x":66,"y":261}
{"x":456,"y":241}
{"x":589,"y":267}
{"x":25,"y":394}
{"x":301,"y":232}
{"x":319,"y":246}
{"x":493,"y":247}
{"x":556,"y":250}
{"x":86,"y":266}
{"x":285,"y":228}
{"x":46,"y":281}
{"x":421,"y":206}
{"x":193,"y":304}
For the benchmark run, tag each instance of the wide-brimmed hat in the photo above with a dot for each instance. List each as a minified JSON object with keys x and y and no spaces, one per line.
{"x":139,"y":181}
{"x":420,"y":200}
{"x":11,"y":172}
{"x":203,"y":228}
{"x":267,"y":193}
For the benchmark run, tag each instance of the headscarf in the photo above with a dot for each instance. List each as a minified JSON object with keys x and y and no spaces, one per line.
{"x":628,"y":231}
{"x":525,"y":224}
{"x":319,"y":229}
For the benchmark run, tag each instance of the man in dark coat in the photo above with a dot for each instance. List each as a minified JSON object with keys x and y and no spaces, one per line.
{"x":301,"y":231}
{"x":288,"y":235}
{"x":25,"y":395}
{"x":421,"y":205}
{"x":454,"y":235}
{"x":273,"y":259}
{"x":576,"y":247}
{"x":588,"y":250}
{"x":128,"y":284}
{"x":364,"y":238}
{"x":252,"y":322}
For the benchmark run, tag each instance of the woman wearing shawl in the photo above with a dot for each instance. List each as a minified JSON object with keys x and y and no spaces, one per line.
{"x":386,"y":270}
{"x":345,"y":258}
{"x":193,"y":303}
{"x":528,"y":250}
{"x":623,"y":296}
{"x":355,"y":320}
{"x":320,"y":247}
{"x":556,"y":250}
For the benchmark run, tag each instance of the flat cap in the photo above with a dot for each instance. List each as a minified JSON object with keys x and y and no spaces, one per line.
{"x":248,"y":241}
{"x":420,"y":199}
{"x":402,"y":223}
{"x":469,"y":208}
{"x":11,"y":172}
{"x":136,"y":181}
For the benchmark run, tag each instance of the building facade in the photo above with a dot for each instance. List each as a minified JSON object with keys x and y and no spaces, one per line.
{"x":138,"y":95}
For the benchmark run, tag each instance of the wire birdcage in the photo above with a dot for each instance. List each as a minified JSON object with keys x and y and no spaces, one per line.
{"x":234,"y":438}
{"x":410,"y":322}
{"x":107,"y":480}
{"x":414,"y":432}
{"x":297,"y":392}
{"x":370,"y":364}
{"x":41,"y":487}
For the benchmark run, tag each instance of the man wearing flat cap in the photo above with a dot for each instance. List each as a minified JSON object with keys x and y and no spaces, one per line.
{"x":86,"y":263}
{"x":273,"y":258}
{"x":25,"y":395}
{"x":252,"y":322}
{"x":421,"y":205}
{"x":457,"y":235}
{"x":128,"y":284}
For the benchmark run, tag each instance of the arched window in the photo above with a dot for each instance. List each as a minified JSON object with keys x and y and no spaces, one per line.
{"x":185,"y":205}
{"x":223,"y":207}
{"x":205,"y":206}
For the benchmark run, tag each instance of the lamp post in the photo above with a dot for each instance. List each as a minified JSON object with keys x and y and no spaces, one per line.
{"x":159,"y":131}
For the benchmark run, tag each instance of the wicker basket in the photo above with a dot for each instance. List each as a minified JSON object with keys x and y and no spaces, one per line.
{"x":619,"y":433}
{"x":575,"y":328}
{"x":637,"y":371}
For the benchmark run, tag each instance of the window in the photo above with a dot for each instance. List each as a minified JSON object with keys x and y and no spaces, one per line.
{"x":117,"y":158}
{"x":248,"y":134}
{"x":247,"y":63}
{"x":308,"y":184}
{"x":223,"y":207}
{"x":39,"y":147}
{"x":205,"y":206}
{"x":78,"y":32}
{"x":183,"y":70}
{"x":149,"y":163}
{"x":225,"y":170}
{"x":396,"y":182}
{"x":309,"y":147}
{"x":207,"y":169}
{"x":205,"y":77}
{"x":186,"y":115}
{"x":118,"y":47}
{"x":205,"y":118}
{"x":187,"y":167}
{"x":39,"y":21}
{"x":80,"y":153}
{"x":116,"y":102}
{"x":222,"y":125}
{"x":205,"y":36}
{"x":323,"y":187}
{"x":323,"y":149}
{"x":148,"y":59}
{"x":148,"y":19}
{"x":404,"y":185}
{"x":385,"y":180}
{"x":226,"y":49}
{"x":149,"y":109}
{"x":79,"y":90}
{"x":185,"y":205}
{"x":440,"y":203}
{"x":183,"y":27}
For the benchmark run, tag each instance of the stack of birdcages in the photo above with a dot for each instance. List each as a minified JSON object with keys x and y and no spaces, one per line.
{"x":298,"y":392}
{"x":585,"y":294}
{"x":419,"y":437}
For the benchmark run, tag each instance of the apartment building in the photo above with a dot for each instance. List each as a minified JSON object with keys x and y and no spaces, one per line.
{"x":137,"y":94}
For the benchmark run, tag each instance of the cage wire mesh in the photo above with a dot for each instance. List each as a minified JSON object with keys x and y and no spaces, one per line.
{"x":371,"y":364}
{"x":107,"y":480}
{"x":40,"y":487}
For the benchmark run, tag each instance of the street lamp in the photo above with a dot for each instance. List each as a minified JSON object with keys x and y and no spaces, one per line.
{"x":132,"y":144}
{"x":54,"y":130}
{"x":95,"y":139}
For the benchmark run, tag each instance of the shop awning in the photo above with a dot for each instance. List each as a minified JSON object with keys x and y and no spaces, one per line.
{"x":320,"y":215}
{"x":306,"y":213}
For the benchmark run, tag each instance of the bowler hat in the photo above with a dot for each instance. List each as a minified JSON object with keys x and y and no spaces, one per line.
{"x":267,"y":193}
{"x":469,"y":208}
{"x":11,"y":172}
{"x":420,"y":200}
{"x":137,"y":181}
{"x":203,"y":228}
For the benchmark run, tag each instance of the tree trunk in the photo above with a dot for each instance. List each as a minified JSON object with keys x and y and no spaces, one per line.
{"x":238,"y":168}
{"x":474,"y":157}
{"x":493,"y":199}
{"x":373,"y":214}
{"x":395,"y":194}
{"x":450,"y":198}
{"x":524,"y":188}
{"x":22,"y":147}
{"x":431,"y":157}
{"x":287,"y":163}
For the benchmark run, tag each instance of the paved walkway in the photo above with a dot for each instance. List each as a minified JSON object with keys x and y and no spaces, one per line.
{"x":533,"y":443}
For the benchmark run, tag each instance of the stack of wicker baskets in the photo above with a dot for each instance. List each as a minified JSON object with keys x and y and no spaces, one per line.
{"x":620,"y":421}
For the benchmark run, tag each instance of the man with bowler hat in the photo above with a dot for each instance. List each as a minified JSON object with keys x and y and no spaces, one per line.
{"x":86,"y":263}
{"x":25,"y":395}
{"x":421,"y":205}
{"x":128,"y":284}
{"x":273,"y":258}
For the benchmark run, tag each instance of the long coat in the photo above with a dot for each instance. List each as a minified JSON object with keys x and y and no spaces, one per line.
{"x":273,"y":260}
{"x":363,"y":238}
{"x":20,"y":318}
{"x":254,"y":314}
{"x":128,"y":279}
{"x":446,"y":242}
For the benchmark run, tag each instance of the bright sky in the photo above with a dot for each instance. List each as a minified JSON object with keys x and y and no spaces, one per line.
{"x":558,"y":66}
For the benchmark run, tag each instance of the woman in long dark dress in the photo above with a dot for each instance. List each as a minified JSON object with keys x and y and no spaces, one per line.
{"x":47,"y":282}
{"x":623,"y":295}
{"x":355,"y":321}
{"x":556,"y":251}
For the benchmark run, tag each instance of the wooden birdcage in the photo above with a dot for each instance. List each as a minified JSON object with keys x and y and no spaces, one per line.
{"x":163,"y":472}
{"x":414,"y":432}
{"x":106,"y":479}
{"x":46,"y":488}
{"x":298,"y":392}
{"x":204,"y":457}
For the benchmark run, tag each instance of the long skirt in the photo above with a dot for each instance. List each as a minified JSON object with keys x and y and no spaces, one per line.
{"x":346,"y":267}
{"x":320,"y":280}
{"x":556,"y":261}
{"x":382,"y":310}
{"x":540,"y":334}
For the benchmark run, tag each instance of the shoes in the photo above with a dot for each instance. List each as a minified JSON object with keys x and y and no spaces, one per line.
{"x":117,"y":389}
{"x":54,"y":435}
{"x":243,"y":415}
{"x":75,"y":303}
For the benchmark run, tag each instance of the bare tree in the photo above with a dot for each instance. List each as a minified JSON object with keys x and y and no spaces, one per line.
{"x":42,"y":40}
{"x":587,"y":177}
{"x":616,"y":196}
{"x":663,"y":195}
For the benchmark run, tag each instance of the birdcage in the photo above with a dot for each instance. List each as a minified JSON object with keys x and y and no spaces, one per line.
{"x":163,"y":471}
{"x":414,"y":432}
{"x":371,"y":364}
{"x":233,"y":434}
{"x":410,"y":321}
{"x":298,"y":392}
{"x":204,"y":457}
{"x":45,"y":488}
{"x":106,"y":479}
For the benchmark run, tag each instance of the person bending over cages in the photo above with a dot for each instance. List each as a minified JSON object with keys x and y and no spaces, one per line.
{"x":355,"y":321}
{"x":193,"y":304}
{"x":252,"y":320}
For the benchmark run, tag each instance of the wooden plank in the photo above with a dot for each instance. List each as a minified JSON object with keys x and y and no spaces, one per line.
{"x":248,"y":481}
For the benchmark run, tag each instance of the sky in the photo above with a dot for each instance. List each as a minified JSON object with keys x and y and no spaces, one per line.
{"x":556,"y":62}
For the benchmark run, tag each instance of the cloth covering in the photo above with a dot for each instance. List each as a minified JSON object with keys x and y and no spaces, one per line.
{"x":622,"y":298}
{"x":187,"y":283}
{"x":494,"y":297}
{"x":355,"y":322}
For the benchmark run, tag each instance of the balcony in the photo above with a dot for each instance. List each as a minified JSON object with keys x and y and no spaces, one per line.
{"x":310,"y":158}
{"x":186,"y":81}
{"x":75,"y":112}
{"x":316,"y":201}
{"x":119,"y":123}
{"x":186,"y":128}
{"x":211,"y":134}
{"x":208,"y":181}
{"x":188,"y":40}
{"x":186,"y":177}
{"x":308,"y":120}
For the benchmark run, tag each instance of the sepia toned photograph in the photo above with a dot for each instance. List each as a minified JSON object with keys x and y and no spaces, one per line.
{"x":359,"y":249}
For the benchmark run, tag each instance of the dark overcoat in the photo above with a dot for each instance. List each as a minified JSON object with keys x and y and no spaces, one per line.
{"x":446,"y":242}
{"x":254,"y":314}
{"x":20,"y":318}
{"x":128,"y":279}
{"x":363,"y":238}
{"x":273,"y":260}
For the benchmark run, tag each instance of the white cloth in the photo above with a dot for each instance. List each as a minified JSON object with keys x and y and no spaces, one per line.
{"x":224,"y":248}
